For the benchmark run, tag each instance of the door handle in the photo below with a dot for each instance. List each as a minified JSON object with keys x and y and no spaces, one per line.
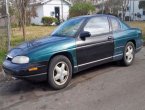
{"x":110,"y":37}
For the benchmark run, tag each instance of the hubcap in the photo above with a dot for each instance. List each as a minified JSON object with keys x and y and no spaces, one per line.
{"x":129,"y":54}
{"x":60,"y":73}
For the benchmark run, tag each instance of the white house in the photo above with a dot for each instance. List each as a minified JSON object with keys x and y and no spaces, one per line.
{"x":133,"y":11}
{"x":54,"y":8}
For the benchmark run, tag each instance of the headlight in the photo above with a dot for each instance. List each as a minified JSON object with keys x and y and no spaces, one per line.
{"x":20,"y":59}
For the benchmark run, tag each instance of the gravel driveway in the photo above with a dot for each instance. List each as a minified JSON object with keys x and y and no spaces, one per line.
{"x":105,"y":87}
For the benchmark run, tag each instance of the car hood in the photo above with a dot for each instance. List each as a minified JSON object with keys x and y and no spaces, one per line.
{"x":28,"y":46}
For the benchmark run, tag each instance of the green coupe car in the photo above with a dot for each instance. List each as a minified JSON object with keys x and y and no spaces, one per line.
{"x":77,"y":44}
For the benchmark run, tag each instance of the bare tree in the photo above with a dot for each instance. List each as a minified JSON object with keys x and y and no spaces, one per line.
{"x":23,"y":13}
{"x":21,"y":6}
{"x":113,"y":6}
{"x":2,"y":8}
{"x":125,"y":4}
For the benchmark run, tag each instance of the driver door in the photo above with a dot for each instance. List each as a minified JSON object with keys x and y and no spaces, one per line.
{"x":99,"y":47}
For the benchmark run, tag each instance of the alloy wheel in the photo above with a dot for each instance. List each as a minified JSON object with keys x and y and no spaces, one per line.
{"x":129,"y":53}
{"x":60,"y":73}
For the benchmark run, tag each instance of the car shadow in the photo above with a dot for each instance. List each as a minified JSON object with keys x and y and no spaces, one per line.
{"x":14,"y":87}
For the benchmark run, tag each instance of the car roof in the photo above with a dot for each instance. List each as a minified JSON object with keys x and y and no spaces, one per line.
{"x":95,"y":15}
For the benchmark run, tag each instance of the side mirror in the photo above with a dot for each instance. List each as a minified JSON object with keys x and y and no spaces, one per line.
{"x":85,"y":34}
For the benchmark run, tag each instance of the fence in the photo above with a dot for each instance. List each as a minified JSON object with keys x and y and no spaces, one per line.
{"x":3,"y":33}
{"x":4,"y":26}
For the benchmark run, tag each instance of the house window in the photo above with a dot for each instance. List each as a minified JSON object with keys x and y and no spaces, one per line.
{"x":144,"y":12}
{"x":128,"y":8}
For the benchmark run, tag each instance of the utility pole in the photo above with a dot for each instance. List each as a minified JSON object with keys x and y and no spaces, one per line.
{"x":8,"y":25}
{"x":133,"y":11}
{"x":62,"y":10}
{"x":102,"y":6}
{"x":129,"y":10}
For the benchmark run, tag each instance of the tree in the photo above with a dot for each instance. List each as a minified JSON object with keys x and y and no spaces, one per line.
{"x":77,"y":1}
{"x":141,"y":5}
{"x":21,"y":6}
{"x":81,"y":8}
{"x":113,"y":6}
{"x":124,"y":7}
{"x":23,"y":13}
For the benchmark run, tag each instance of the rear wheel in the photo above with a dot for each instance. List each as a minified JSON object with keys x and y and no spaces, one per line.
{"x":60,"y":72}
{"x":129,"y":54}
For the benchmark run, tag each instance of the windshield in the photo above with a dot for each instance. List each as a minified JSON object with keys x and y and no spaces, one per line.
{"x":68,"y":28}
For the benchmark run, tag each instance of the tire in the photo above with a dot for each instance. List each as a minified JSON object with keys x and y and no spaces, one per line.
{"x":60,"y":72}
{"x":129,"y":54}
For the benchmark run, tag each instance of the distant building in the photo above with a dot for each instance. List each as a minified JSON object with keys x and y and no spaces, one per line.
{"x":54,"y":8}
{"x":133,"y":12}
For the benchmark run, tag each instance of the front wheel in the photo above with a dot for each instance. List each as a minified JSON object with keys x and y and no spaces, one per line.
{"x":129,"y":54}
{"x":60,"y":72}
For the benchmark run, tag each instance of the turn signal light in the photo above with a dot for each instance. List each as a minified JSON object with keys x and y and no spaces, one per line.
{"x":33,"y":69}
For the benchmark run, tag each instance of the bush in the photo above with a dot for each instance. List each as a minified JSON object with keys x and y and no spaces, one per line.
{"x":49,"y":20}
{"x":33,"y":24}
{"x":81,"y":9}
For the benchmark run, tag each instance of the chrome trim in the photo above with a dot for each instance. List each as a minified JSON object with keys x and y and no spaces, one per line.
{"x":98,"y":60}
{"x":32,"y":75}
{"x":75,"y":66}
{"x":92,"y":44}
{"x":119,"y":47}
{"x":117,"y":55}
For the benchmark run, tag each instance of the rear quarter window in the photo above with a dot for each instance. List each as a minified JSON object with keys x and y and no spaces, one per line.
{"x":116,"y":26}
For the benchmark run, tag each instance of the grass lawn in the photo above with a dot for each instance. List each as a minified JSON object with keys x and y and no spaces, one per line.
{"x":140,"y":25}
{"x":33,"y":32}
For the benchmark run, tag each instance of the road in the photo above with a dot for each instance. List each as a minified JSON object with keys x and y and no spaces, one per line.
{"x":105,"y":87}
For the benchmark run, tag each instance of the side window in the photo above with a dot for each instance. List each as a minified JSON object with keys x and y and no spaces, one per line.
{"x":115,"y":24}
{"x":97,"y":25}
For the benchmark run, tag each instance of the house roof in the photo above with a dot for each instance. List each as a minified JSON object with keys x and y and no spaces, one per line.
{"x":41,"y":2}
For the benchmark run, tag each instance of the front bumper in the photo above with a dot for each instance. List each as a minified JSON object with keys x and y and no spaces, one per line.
{"x":21,"y":71}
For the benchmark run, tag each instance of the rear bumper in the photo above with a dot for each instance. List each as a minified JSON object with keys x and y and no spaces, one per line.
{"x":21,"y":71}
{"x":138,"y":49}
{"x":140,"y":46}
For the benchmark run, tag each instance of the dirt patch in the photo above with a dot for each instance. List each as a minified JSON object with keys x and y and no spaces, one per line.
{"x":0,"y":68}
{"x":2,"y":77}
